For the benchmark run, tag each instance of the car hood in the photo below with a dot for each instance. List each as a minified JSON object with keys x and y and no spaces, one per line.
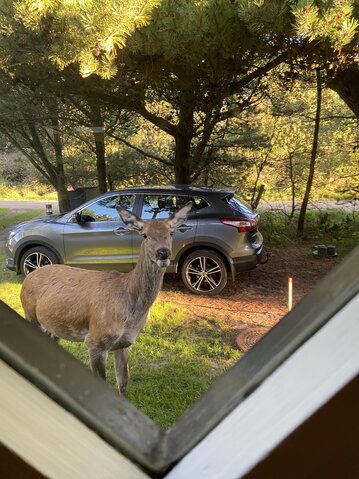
{"x":36,"y":221}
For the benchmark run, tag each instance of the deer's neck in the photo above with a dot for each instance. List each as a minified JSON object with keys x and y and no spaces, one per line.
{"x":145,"y":282}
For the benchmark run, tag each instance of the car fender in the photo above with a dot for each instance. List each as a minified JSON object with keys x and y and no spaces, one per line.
{"x":202,"y":245}
{"x":26,"y":245}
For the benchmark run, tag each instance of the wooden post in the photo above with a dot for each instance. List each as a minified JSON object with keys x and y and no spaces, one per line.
{"x":290,"y":293}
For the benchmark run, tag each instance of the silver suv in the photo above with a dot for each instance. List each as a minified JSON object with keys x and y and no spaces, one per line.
{"x":219,"y":239}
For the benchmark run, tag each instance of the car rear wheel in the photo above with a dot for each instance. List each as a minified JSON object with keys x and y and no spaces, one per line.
{"x":36,"y":258}
{"x":204,"y":272}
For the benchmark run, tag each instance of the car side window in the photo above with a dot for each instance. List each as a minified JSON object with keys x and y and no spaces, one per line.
{"x":157,"y":207}
{"x":105,"y":208}
{"x":199,"y":203}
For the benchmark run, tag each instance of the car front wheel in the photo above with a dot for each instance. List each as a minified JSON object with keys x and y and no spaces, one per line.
{"x":204,"y":272}
{"x":36,"y":258}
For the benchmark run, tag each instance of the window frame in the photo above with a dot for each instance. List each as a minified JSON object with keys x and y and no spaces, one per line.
{"x":110,"y":195}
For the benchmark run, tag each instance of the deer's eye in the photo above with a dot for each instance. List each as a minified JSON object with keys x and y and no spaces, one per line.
{"x":144,"y":235}
{"x":171,"y":234}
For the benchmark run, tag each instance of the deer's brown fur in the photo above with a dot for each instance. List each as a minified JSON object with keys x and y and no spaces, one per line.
{"x":105,"y":309}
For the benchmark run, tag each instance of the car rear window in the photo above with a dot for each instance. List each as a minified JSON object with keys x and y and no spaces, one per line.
{"x":238,"y":205}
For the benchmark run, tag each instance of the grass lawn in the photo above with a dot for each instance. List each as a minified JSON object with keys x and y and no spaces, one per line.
{"x":331,"y":225}
{"x":6,"y":221}
{"x":173,"y":361}
{"x":33,"y":191}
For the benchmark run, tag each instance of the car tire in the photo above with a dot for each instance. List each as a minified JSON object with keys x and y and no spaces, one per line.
{"x":36,"y":257}
{"x":204,"y":272}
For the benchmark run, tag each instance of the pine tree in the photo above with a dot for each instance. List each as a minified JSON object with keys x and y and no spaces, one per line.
{"x":201,"y":61}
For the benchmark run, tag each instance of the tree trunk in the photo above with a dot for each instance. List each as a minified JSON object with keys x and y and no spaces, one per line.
{"x":259,"y":170}
{"x":313,"y":157}
{"x":63,"y":198}
{"x":62,"y":194}
{"x":55,"y":174}
{"x":100,"y":160}
{"x":183,"y":138}
{"x":292,"y":183}
{"x":182,"y":167}
{"x":345,"y":83}
{"x":110,"y":182}
{"x":99,"y":137}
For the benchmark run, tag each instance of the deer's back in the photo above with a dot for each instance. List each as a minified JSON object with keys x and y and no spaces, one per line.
{"x":64,"y":299}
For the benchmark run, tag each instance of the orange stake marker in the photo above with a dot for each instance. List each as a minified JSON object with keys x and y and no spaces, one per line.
{"x":290,"y":293}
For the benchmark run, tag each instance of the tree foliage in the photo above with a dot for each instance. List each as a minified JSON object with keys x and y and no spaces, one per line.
{"x":85,"y":32}
{"x":196,"y":75}
{"x":331,"y":21}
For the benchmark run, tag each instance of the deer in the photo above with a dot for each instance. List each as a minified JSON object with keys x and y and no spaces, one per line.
{"x":104,"y":309}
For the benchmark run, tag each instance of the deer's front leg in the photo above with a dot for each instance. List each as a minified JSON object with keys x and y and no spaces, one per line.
{"x":121,"y":368}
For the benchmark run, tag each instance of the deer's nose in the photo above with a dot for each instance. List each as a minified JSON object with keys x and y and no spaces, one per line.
{"x":163,"y":253}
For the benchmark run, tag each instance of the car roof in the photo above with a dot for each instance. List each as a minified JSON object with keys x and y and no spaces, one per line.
{"x":183,"y":189}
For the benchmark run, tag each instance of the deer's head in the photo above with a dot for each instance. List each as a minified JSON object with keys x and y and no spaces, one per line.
{"x":157,"y":234}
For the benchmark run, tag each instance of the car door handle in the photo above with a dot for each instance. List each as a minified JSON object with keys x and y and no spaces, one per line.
{"x":184,"y":228}
{"x":121,"y":231}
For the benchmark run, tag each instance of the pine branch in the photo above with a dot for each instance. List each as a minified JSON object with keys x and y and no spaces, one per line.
{"x":260,"y":71}
{"x":158,"y":121}
{"x":139,"y":150}
{"x":24,"y":151}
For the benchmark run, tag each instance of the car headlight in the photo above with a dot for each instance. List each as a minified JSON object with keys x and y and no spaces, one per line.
{"x":11,"y":240}
{"x":11,"y":235}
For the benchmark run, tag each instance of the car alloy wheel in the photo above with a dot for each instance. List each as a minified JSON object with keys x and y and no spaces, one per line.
{"x":36,"y":258}
{"x":204,"y":272}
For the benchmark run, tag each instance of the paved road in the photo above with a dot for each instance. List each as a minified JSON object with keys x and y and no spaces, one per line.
{"x":17,"y":206}
{"x":20,"y":205}
{"x":320,"y":205}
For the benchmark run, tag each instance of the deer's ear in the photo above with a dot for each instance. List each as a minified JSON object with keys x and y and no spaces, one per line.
{"x":130,"y":219}
{"x":180,"y":216}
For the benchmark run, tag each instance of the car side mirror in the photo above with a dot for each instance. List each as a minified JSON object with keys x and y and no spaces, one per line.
{"x":82,"y":218}
{"x":76,"y":218}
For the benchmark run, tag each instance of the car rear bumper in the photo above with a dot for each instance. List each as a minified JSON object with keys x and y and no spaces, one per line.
{"x":247,"y":263}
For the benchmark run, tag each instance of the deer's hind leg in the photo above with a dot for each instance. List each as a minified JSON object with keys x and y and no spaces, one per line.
{"x":121,"y":368}
{"x":98,"y":358}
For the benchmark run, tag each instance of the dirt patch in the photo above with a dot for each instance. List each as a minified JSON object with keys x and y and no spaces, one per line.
{"x":258,"y":299}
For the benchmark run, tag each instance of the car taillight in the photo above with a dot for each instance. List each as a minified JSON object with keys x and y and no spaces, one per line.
{"x":242,"y":224}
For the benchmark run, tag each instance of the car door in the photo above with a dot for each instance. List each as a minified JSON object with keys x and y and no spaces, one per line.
{"x":95,"y":237}
{"x":160,"y":207}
